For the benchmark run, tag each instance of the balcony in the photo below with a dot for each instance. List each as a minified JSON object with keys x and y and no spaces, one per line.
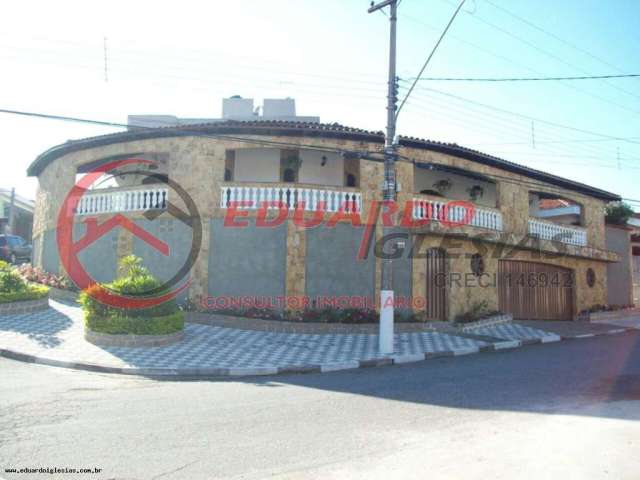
{"x":291,"y":197}
{"x":443,"y":212}
{"x":123,"y":200}
{"x":567,"y":234}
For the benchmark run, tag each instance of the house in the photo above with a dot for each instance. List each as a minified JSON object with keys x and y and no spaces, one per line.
{"x":23,"y":214}
{"x":634,"y":223}
{"x":479,"y":235}
{"x":623,"y":276}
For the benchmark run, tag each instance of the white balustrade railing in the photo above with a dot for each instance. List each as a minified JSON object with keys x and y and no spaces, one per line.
{"x":560,"y":233}
{"x":290,"y":198}
{"x":113,"y":201}
{"x":455,"y":214}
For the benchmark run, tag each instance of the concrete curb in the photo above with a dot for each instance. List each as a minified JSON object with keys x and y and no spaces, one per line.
{"x":185,"y":373}
{"x":613,"y":331}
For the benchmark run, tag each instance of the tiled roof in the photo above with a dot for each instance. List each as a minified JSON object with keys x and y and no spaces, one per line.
{"x":304,"y":129}
{"x":552,"y":203}
{"x":490,"y":160}
{"x":227,"y":127}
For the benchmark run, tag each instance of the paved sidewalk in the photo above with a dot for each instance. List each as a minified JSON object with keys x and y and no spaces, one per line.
{"x":623,"y":321}
{"x":55,"y":337}
{"x":574,"y":329}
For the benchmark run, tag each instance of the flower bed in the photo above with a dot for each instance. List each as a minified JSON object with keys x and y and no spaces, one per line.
{"x":602,"y":312}
{"x":109,"y":325}
{"x":488,"y":321}
{"x":37,"y":275}
{"x":18,"y":296}
{"x":316,"y":315}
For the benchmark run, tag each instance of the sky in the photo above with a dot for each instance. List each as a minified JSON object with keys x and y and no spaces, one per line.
{"x":182,"y":58}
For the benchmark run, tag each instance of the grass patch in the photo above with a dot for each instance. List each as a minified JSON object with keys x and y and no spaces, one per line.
{"x":136,"y":325}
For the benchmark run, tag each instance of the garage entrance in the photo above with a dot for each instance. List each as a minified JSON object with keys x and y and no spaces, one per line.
{"x":535,"y":291}
{"x":436,"y":292}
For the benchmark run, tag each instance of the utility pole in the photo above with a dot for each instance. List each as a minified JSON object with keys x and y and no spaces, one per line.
{"x":385,"y":338}
{"x":12,"y":212}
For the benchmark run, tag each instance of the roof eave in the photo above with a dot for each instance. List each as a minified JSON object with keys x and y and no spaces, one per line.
{"x":496,"y":162}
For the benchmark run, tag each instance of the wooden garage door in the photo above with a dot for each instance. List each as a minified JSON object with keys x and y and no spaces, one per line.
{"x":535,"y":291}
{"x":436,"y":294}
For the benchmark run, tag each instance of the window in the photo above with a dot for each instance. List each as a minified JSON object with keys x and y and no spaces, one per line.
{"x":289,"y":175}
{"x":289,"y":165}
{"x":229,"y":165}
{"x":477,"y":264}
{"x":351,"y":180}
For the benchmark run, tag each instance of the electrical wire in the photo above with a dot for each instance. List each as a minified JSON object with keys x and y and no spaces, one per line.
{"x":520,"y":181}
{"x":524,"y":79}
{"x":491,"y":125}
{"x":433,"y":51}
{"x":182,"y":130}
{"x":553,"y":56}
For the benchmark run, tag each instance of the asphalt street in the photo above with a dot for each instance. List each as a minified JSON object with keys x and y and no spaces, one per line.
{"x":564,"y":410}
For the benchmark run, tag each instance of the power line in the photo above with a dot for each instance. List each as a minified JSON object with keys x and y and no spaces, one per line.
{"x":566,"y":42}
{"x":193,"y":132}
{"x":555,"y":57}
{"x":554,"y":36}
{"x":578,"y":140}
{"x":509,"y":60}
{"x":502,"y":126}
{"x":525,"y":79}
{"x":433,"y":51}
{"x":551,"y":155}
{"x":531,"y":183}
{"x":555,"y":124}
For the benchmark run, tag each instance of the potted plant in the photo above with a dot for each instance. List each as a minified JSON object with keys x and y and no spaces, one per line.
{"x":475,"y":192}
{"x":443,"y":186}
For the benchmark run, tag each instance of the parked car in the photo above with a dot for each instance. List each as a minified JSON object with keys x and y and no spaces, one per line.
{"x":14,"y":249}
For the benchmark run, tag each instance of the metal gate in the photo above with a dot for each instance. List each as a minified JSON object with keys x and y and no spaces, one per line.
{"x":535,"y":291}
{"x":436,"y":288}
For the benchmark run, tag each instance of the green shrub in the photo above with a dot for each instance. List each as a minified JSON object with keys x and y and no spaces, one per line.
{"x":134,"y":282}
{"x":11,"y":282}
{"x":31,"y":292}
{"x":135,"y":325}
{"x":618,"y":213}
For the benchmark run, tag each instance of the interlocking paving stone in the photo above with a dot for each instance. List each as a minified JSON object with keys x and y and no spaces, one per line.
{"x":57,"y":334}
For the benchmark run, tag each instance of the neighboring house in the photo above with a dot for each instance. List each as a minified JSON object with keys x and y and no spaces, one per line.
{"x":489,"y":263}
{"x":623,"y":277}
{"x":23,"y":214}
{"x":634,"y":223}
{"x":620,"y":274}
{"x":234,"y":108}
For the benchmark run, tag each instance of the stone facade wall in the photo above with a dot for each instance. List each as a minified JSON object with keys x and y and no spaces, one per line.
{"x":620,"y":274}
{"x":197,"y":164}
{"x":513,"y":198}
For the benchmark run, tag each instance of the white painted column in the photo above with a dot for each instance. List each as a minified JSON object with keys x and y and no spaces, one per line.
{"x":385,"y":339}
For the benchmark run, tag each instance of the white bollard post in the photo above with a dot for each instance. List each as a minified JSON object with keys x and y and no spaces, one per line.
{"x":385,"y":337}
